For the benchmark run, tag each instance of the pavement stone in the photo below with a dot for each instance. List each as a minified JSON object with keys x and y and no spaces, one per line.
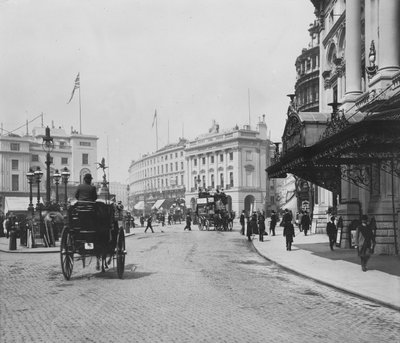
{"x":312,"y":258}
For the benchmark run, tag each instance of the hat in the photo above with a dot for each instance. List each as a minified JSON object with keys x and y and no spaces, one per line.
{"x":88,"y":176}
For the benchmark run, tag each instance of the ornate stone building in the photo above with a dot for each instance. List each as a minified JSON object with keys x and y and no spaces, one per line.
{"x":356,"y":149}
{"x":233,"y":160}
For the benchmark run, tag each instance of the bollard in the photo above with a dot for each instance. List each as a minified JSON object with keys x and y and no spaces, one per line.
{"x":13,"y":240}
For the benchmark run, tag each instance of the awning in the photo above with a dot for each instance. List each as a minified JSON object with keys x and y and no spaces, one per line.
{"x":139,"y":205}
{"x":157,"y":204}
{"x":17,"y":204}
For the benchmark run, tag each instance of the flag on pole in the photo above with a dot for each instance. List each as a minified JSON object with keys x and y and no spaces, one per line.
{"x":154,"y":118}
{"x":76,"y":86}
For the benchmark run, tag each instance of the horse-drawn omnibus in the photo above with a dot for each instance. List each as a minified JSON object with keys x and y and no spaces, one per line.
{"x":211,"y":211}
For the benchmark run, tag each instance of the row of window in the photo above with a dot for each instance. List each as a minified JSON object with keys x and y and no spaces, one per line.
{"x":161,"y":182}
{"x":161,"y":158}
{"x":64,"y":161}
{"x":201,"y":182}
{"x":212,"y":160}
{"x":17,"y":146}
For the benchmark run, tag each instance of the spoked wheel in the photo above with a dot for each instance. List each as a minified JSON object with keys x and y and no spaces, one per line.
{"x":207,"y":224}
{"x":120,"y":253}
{"x":67,"y":253}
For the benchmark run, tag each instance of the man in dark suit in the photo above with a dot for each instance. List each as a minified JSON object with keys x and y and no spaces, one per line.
{"x":86,"y":191}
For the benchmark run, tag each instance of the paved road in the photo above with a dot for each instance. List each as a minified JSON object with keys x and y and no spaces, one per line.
{"x":181,"y":287}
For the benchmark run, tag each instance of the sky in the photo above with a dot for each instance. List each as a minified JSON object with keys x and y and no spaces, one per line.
{"x":192,"y":61}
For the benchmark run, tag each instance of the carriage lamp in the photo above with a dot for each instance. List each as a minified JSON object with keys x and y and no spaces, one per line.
{"x":38,"y":176}
{"x":65,"y":176}
{"x":30,"y":175}
{"x":56,"y":178}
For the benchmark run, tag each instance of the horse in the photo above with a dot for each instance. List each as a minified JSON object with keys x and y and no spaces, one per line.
{"x":54,"y":222}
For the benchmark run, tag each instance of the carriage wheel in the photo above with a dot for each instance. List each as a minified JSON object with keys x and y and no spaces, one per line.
{"x":120,"y":253}
{"x":207,"y":224}
{"x":67,"y":253}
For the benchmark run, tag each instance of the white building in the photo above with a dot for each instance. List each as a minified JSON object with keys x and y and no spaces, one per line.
{"x":233,"y":160}
{"x":77,"y":152}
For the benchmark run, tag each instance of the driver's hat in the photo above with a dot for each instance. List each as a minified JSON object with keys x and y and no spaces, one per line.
{"x":88,"y":176}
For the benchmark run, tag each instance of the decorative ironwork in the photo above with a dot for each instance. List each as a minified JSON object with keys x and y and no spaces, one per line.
{"x":359,"y":175}
{"x":337,"y":122}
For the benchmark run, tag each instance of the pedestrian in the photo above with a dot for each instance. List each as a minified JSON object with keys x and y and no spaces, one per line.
{"x":261,"y":227}
{"x":149,"y":220}
{"x":299,"y":218}
{"x":288,"y":232}
{"x":169,"y":219}
{"x":272,"y":224}
{"x":249,"y":232}
{"x":188,"y":222}
{"x":305,"y":223}
{"x":242,"y":220}
{"x":141,"y":219}
{"x":365,"y":242}
{"x":331,"y":230}
{"x":253,"y":223}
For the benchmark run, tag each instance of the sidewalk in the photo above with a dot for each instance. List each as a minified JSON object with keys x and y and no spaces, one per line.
{"x":311,"y":257}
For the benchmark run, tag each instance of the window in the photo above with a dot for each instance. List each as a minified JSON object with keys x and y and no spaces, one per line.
{"x":14,"y":146}
{"x":166,"y":168}
{"x":64,"y":160}
{"x":221,"y":158}
{"x":231,"y":156}
{"x":84,"y":144}
{"x":15,"y":182}
{"x":221,"y":180}
{"x":171,"y":166}
{"x":248,"y":156}
{"x":170,"y":156}
{"x":231,"y":179}
{"x":212,"y":159}
{"x":85,"y":158}
{"x":35,"y":158}
{"x":203,"y":160}
{"x":162,"y":169}
{"x":249,"y":178}
{"x":181,"y":165}
{"x":176,"y":180}
{"x":166,"y":157}
{"x":176,"y":166}
{"x":195,"y":162}
{"x":181,"y":153}
{"x":181,"y":179}
{"x":176,"y":155}
{"x":204,"y":181}
{"x":212,"y":181}
{"x":63,"y":145}
{"x":14,"y":164}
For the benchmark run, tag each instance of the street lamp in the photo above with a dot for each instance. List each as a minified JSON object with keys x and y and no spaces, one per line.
{"x":30,"y":176}
{"x":65,"y":176}
{"x":48,"y":146}
{"x":38,"y":175}
{"x":56,"y":178}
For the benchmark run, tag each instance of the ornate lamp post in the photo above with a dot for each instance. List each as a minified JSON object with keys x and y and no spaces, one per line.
{"x":38,"y":176}
{"x":65,"y":176}
{"x":30,"y":176}
{"x":56,"y":178}
{"x":48,"y":146}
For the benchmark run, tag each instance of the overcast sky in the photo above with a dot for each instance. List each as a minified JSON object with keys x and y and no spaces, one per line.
{"x":192,"y":60}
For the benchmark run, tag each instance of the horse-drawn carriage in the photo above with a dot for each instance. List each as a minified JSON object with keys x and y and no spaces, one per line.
{"x":92,"y":230}
{"x":211,"y":212}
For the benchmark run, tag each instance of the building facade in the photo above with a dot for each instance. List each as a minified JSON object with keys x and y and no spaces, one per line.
{"x":18,"y":154}
{"x":233,"y":161}
{"x":157,"y":177}
{"x":356,"y":153}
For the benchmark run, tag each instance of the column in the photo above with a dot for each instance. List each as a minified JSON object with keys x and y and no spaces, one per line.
{"x":353,"y":50}
{"x":389,"y":42}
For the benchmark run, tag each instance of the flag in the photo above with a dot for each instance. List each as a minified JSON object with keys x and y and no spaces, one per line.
{"x":154,"y":118}
{"x":76,"y":86}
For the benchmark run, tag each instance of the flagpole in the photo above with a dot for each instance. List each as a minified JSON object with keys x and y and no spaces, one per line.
{"x":168,"y":132}
{"x":80,"y":108}
{"x":156,"y":132}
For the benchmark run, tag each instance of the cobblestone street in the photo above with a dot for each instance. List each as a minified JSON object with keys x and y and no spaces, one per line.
{"x":181,"y":286}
